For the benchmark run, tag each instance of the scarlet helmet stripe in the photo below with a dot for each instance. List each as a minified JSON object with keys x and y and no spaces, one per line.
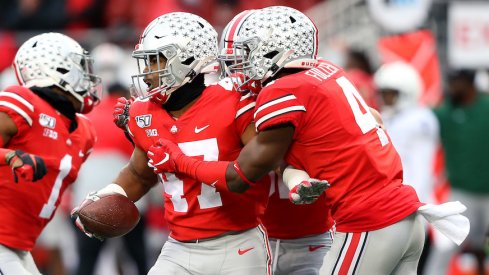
{"x":17,"y":74}
{"x":234,"y":26}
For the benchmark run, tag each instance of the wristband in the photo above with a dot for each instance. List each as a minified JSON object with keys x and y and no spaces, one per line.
{"x":9,"y":156}
{"x":240,"y":173}
{"x":6,"y":156}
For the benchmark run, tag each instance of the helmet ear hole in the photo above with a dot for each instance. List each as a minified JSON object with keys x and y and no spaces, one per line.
{"x":188,"y":61}
{"x":61,"y":70}
{"x":271,"y":54}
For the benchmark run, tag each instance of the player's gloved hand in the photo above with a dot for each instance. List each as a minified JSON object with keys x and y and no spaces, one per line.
{"x":93,"y":196}
{"x":308,"y":191}
{"x":121,"y":112}
{"x":163,"y":156}
{"x":24,"y":165}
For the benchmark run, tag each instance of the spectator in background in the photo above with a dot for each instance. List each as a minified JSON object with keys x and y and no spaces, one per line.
{"x":359,"y":71}
{"x":110,"y":153}
{"x":464,"y":133}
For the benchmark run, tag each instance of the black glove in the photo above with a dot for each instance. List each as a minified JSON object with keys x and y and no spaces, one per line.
{"x":30,"y":167}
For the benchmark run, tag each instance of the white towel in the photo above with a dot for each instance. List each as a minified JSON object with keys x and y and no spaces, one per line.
{"x":447,"y":219}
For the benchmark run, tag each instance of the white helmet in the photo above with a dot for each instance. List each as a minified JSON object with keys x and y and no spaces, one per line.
{"x":229,"y":55}
{"x":401,"y":77}
{"x":186,"y":41}
{"x":274,"y":38}
{"x":54,"y":59}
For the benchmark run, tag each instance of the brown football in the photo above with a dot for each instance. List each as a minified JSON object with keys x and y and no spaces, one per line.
{"x":112,"y":215}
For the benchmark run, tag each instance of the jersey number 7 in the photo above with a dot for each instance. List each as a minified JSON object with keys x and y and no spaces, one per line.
{"x":208,"y":197}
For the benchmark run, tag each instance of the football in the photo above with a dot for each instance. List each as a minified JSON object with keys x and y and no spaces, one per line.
{"x":112,"y":215}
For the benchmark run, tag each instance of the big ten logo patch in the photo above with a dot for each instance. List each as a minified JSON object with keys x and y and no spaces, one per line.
{"x":151,"y":132}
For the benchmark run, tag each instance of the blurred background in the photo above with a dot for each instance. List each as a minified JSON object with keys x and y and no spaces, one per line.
{"x":445,"y":42}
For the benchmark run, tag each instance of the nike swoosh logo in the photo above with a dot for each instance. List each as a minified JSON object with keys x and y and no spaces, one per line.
{"x":198,"y":130}
{"x":313,"y":248}
{"x":214,"y":184}
{"x":241,"y":252}
{"x":167,"y":157}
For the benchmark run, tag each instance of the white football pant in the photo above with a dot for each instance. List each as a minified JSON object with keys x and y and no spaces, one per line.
{"x":302,"y":256}
{"x":394,"y":249}
{"x":247,"y":253}
{"x":16,"y":262}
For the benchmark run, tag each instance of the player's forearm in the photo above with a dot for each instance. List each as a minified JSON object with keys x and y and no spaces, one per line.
{"x":134,"y":185}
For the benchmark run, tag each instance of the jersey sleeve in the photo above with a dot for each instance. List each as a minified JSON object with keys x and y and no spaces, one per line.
{"x":244,"y":112}
{"x":15,"y":101}
{"x":277,"y":106}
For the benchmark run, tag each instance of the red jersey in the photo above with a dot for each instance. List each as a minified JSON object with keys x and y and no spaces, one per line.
{"x":210,"y":130}
{"x":337,"y":138}
{"x":285,"y":220}
{"x":26,"y":207}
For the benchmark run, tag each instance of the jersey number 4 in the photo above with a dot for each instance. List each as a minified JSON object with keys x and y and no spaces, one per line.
{"x":365,"y":120}
{"x":208,"y":197}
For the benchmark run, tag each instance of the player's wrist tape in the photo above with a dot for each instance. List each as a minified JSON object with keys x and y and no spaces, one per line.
{"x":112,"y":188}
{"x":292,"y":177}
{"x":238,"y":170}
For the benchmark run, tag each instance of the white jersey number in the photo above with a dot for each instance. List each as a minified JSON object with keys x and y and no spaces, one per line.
{"x":208,"y":197}
{"x":366,"y":121}
{"x":64,"y":169}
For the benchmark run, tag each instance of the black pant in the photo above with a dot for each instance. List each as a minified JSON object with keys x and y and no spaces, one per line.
{"x":89,"y":250}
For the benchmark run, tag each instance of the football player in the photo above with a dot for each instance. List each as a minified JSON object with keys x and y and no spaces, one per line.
{"x":44,"y":140}
{"x":299,"y":235}
{"x":212,"y":231}
{"x":315,"y":119}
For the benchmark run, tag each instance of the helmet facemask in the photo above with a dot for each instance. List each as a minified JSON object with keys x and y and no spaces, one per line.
{"x":260,"y":60}
{"x":81,"y":82}
{"x":142,"y":86}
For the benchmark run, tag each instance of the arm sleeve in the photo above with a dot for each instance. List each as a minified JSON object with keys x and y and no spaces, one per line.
{"x":276,"y":106}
